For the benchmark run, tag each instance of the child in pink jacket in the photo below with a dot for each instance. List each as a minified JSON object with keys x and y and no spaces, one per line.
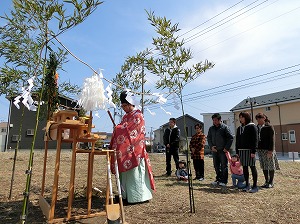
{"x":236,"y":170}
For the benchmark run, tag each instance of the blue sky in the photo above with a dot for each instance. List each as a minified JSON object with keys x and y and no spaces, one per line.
{"x":246,"y":42}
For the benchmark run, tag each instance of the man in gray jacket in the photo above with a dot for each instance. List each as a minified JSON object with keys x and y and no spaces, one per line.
{"x":219,"y":138}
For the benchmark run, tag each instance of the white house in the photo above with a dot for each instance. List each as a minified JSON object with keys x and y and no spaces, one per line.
{"x":226,"y":117}
{"x":3,"y":134}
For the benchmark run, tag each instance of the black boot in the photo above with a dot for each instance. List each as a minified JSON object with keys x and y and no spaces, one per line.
{"x":266,"y":175}
{"x":272,"y":172}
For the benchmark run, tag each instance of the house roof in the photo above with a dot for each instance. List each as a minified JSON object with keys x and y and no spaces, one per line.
{"x":108,"y":134}
{"x":34,"y":94}
{"x":3,"y":124}
{"x":209,"y":114}
{"x":181,"y":117}
{"x":278,"y":97}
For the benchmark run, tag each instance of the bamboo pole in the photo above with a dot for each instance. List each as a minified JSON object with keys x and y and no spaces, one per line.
{"x":15,"y":156}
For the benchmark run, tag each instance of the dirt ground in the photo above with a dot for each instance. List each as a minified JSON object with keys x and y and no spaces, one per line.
{"x":170,"y":203}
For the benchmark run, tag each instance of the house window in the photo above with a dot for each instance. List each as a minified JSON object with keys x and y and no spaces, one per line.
{"x":30,"y":132}
{"x":3,"y":130}
{"x":268,"y":108}
{"x":14,"y":138}
{"x":292,"y":136}
{"x":284,"y":136}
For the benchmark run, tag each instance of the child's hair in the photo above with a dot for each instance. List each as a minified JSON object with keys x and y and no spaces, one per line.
{"x":236,"y":156}
{"x":182,"y":162}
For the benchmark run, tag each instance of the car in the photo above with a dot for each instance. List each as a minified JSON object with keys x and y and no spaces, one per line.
{"x":161,"y":150}
{"x":105,"y":145}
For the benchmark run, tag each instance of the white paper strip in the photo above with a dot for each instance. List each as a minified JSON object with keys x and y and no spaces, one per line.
{"x":169,"y":113}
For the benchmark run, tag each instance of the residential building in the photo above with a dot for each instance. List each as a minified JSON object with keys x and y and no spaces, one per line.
{"x":190,"y":130}
{"x":282,"y":109}
{"x":24,"y":126}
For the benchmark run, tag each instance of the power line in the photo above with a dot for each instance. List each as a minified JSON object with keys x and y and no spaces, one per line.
{"x":248,"y":30}
{"x":233,"y":23}
{"x":247,"y":79}
{"x":235,"y":88}
{"x":210,"y":19}
{"x":188,"y":39}
{"x":201,"y":33}
{"x":247,"y":85}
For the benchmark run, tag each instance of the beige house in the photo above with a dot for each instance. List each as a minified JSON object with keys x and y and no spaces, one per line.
{"x":283,"y":110}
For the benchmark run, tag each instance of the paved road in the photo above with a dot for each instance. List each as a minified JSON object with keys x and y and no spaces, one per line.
{"x":287,"y":158}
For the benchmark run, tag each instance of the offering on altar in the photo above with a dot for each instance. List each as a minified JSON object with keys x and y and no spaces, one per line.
{"x":64,"y":115}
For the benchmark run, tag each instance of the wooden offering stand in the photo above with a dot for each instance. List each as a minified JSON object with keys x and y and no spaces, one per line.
{"x":64,"y":128}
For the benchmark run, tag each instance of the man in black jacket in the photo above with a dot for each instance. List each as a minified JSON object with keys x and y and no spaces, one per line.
{"x":219,"y":139}
{"x":171,"y":141}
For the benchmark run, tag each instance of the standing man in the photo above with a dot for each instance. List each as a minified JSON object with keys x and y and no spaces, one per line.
{"x":171,"y":141}
{"x":219,"y":140}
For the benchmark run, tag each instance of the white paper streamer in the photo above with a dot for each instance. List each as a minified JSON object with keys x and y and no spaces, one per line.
{"x":30,"y":81}
{"x":17,"y":101}
{"x":169,"y":113}
{"x":175,"y":101}
{"x":97,"y":114}
{"x":152,"y":113}
{"x":160,"y":99}
{"x":132,"y":99}
{"x":26,"y":95}
{"x":109,"y":96}
{"x":92,"y":95}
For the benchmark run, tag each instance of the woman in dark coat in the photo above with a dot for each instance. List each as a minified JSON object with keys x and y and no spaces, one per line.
{"x":197,"y":151}
{"x":246,"y":144}
{"x":266,"y":149}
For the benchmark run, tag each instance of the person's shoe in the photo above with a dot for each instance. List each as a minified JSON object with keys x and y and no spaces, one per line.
{"x":222,"y":184}
{"x":265,"y":185}
{"x":246,"y":188}
{"x":117,"y":200}
{"x":270,"y":186}
{"x":136,"y":203}
{"x":253,"y":190}
{"x":215,"y":183}
{"x":183,"y":178}
{"x":242,"y":186}
{"x":235,"y":187}
{"x":201,"y":179}
{"x":168,"y":174}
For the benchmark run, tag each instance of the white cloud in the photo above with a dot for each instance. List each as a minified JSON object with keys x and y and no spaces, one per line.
{"x":250,"y":41}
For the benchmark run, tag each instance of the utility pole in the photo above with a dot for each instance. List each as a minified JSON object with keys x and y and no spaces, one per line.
{"x":151,"y":139}
{"x":252,"y":102}
{"x":143,"y":88}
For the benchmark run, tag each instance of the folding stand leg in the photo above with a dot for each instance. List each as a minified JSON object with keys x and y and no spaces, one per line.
{"x":72,"y":177}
